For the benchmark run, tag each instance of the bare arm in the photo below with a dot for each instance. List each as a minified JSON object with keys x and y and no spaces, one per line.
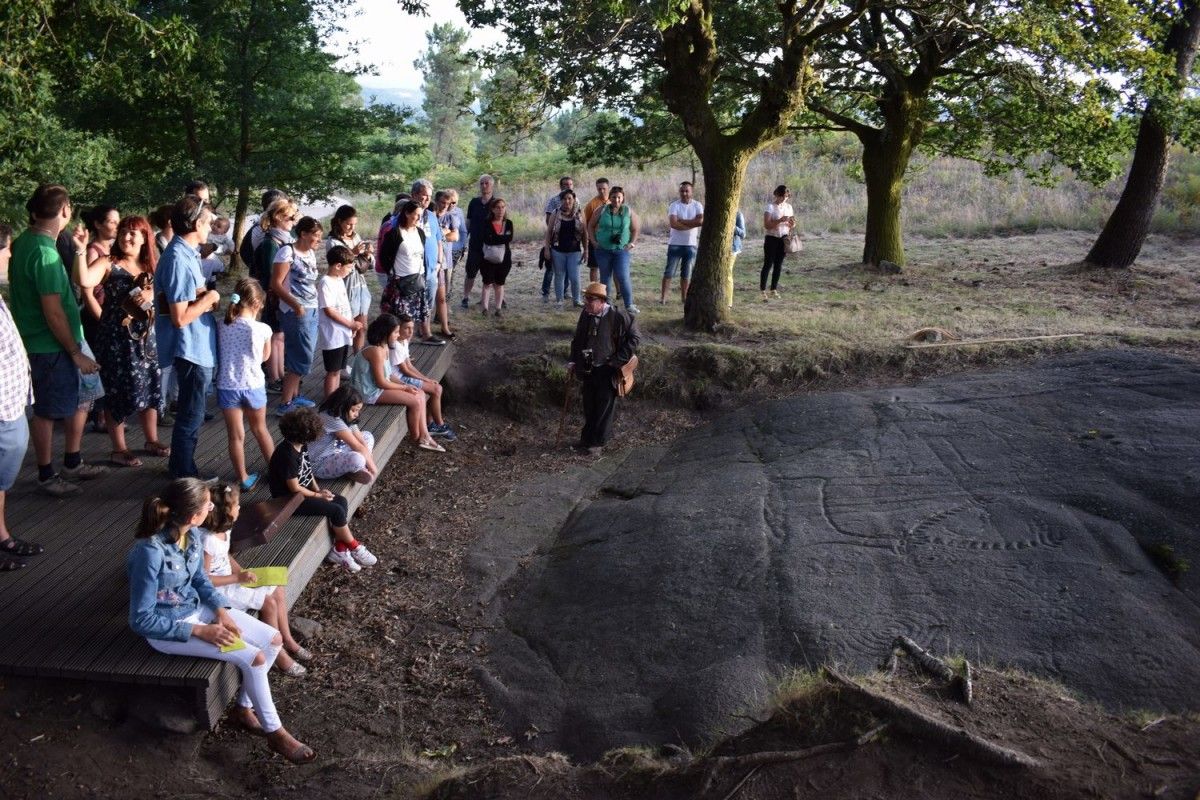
{"x":593,"y":225}
{"x":279,"y":271}
{"x":185,"y":313}
{"x":56,"y":321}
{"x":635,"y":227}
{"x":93,"y":274}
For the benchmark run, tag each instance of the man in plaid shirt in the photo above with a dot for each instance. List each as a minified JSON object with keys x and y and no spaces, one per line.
{"x":15,"y":394}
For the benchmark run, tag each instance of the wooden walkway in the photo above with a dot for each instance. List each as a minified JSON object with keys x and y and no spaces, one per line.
{"x":66,"y":614}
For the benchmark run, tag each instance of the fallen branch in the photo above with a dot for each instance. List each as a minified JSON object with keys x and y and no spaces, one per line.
{"x":927,"y":345}
{"x":920,"y":724}
{"x":966,"y":684}
{"x":928,"y":661}
{"x":715,"y":764}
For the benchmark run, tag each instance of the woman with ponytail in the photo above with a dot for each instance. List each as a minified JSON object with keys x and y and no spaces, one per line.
{"x":172,"y":603}
{"x":243,"y":344}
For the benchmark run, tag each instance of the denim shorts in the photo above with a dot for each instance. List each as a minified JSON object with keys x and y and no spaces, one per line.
{"x":360,"y":300}
{"x":55,"y":384}
{"x":255,"y":398}
{"x":681,"y":257}
{"x":410,"y":381}
{"x":14,"y":438}
{"x":299,"y":342}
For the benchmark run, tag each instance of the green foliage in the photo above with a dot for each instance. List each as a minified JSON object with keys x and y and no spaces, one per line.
{"x":450,"y":87}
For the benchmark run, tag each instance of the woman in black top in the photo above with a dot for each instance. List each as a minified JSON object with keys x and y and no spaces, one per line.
{"x":497,"y":255}
{"x":566,"y":247}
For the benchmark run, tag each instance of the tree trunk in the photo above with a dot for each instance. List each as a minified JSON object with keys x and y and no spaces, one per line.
{"x":1129,"y":224}
{"x":239,"y":222}
{"x":885,"y":160}
{"x":707,"y":302}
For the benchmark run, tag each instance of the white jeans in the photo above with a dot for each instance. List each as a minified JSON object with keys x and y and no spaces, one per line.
{"x":256,"y":691}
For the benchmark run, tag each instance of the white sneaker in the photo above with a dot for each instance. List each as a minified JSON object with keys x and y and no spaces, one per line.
{"x":343,"y":558}
{"x":363,"y":556}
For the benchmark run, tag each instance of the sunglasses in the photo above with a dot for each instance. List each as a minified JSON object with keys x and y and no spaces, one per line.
{"x":195,"y":215}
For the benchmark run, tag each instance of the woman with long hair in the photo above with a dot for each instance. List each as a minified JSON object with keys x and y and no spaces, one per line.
{"x":497,"y":253}
{"x":275,"y":226}
{"x":565,"y":247}
{"x":403,"y":250}
{"x":101,"y":222}
{"x":173,"y":605}
{"x":125,"y":347}
{"x":294,"y":282}
{"x":343,"y":230}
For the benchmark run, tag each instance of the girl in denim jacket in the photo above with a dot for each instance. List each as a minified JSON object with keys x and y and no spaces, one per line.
{"x":173,"y":604}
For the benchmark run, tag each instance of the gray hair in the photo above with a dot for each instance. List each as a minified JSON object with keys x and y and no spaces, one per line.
{"x":486,"y":177}
{"x":419,"y":182}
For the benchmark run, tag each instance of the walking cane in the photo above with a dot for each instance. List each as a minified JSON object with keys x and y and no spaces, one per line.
{"x":563,"y":419}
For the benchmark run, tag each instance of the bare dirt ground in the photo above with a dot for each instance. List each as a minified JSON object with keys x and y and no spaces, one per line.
{"x":392,"y":708}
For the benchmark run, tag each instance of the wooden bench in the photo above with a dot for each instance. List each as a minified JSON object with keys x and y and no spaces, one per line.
{"x":259,"y":522}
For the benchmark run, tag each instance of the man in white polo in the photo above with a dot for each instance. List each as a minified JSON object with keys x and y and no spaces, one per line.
{"x":684,"y":216}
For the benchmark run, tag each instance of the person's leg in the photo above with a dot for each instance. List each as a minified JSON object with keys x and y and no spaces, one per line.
{"x":685,"y":272}
{"x":621,"y":270}
{"x":43,"y":442}
{"x":604,"y":261}
{"x":413,"y":406}
{"x":360,"y":336}
{"x":193,"y":389}
{"x":499,"y":291}
{"x":547,"y":274}
{"x":149,"y":418}
{"x":257,"y":420}
{"x":588,"y":434}
{"x":434,"y":391}
{"x":605,"y":403}
{"x":73,"y":425}
{"x":593,"y":267}
{"x":572,"y":270}
{"x":673,"y":256}
{"x":777,"y":267}
{"x":14,"y":441}
{"x":560,"y":273}
{"x":768,"y":259}
{"x":339,"y":462}
{"x":291,"y":350}
{"x":237,"y":442}
{"x":275,"y":362}
{"x":443,"y":307}
{"x":277,"y":618}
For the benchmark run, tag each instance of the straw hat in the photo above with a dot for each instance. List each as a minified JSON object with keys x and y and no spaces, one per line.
{"x":597,"y":290}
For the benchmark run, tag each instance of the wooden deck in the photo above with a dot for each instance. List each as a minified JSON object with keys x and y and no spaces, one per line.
{"x":66,"y":614}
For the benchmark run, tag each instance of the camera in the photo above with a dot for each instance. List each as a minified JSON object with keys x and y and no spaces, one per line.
{"x":616,"y":238}
{"x":135,"y":294}
{"x":587,"y":358}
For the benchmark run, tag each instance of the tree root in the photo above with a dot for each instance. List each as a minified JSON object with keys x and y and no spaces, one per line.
{"x":928,"y":661}
{"x":922,"y":725}
{"x":713,"y":765}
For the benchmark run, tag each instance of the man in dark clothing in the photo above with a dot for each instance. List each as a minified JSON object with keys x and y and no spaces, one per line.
{"x":477,"y":219}
{"x":606,"y":338}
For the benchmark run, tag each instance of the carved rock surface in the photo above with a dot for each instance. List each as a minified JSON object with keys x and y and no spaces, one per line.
{"x":1008,"y":516}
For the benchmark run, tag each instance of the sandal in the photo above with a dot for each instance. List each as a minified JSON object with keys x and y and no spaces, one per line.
{"x":302,"y":654}
{"x":124,"y":458}
{"x":157,"y":449}
{"x":430,"y":444}
{"x":296,"y":670}
{"x":297,"y":753}
{"x":19,"y":548}
{"x":11,"y":564}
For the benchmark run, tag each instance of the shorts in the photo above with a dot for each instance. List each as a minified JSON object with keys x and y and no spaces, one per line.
{"x":415,"y":382}
{"x":300,"y":341}
{"x":681,"y":257}
{"x":474,"y":262}
{"x":444,"y":278}
{"x":253,"y":398}
{"x":495,"y":274}
{"x":336,"y":359}
{"x":55,"y":385}
{"x":360,"y":300}
{"x":431,"y":284}
{"x":14,"y":439}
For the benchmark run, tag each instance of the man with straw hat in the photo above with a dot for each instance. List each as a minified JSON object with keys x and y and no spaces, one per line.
{"x":606,"y":339}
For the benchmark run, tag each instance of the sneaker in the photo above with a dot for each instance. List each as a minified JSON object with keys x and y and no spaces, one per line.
{"x":434,"y":341}
{"x":284,"y":408}
{"x":764,"y":296}
{"x":250,"y":482}
{"x":633,"y":310}
{"x":504,"y":304}
{"x":166,"y":420}
{"x":775,"y":293}
{"x":466,"y":303}
{"x":343,"y":558}
{"x":303,"y":402}
{"x":442,"y":431}
{"x":363,"y":557}
{"x":55,"y":486}
{"x":545,"y":299}
{"x":662,"y":301}
{"x":497,"y":312}
{"x":273,"y":387}
{"x":84,"y":472}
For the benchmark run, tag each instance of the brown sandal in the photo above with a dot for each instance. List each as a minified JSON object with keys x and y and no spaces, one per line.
{"x":124,"y":458}
{"x":247,"y":720}
{"x":299,"y":753}
{"x":157,"y":449}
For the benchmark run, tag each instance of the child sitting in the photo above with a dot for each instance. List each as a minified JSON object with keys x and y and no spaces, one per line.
{"x":336,"y":325}
{"x":371,"y":375}
{"x":291,"y":473}
{"x":342,"y":448}
{"x":244,"y":344}
{"x":405,"y":372}
{"x":227,"y":576}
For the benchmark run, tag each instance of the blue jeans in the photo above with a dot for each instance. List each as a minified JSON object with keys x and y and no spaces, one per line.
{"x":299,"y":341}
{"x":615,"y":263}
{"x":566,"y":270}
{"x":548,"y":275}
{"x":193,"y":381}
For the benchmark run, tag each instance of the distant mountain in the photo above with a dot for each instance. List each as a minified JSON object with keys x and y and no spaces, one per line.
{"x":395,"y":96}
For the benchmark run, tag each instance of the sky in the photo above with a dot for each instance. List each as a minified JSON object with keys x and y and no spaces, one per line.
{"x":391,"y":40}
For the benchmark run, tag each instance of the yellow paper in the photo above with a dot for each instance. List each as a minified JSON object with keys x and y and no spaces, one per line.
{"x":268,"y":576}
{"x":238,"y":644}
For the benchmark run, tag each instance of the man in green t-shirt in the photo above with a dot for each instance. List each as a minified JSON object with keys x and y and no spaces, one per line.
{"x":47,"y":318}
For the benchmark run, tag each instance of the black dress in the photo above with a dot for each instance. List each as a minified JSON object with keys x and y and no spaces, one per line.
{"x":126,"y":354}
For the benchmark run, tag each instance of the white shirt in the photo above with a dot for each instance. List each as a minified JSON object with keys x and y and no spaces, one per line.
{"x":410,"y":255}
{"x":685,"y":211}
{"x":239,"y":353}
{"x":331,"y":293}
{"x":775,"y":212}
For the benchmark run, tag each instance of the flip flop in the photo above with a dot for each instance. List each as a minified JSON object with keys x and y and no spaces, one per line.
{"x":22,"y":549}
{"x":124,"y":458}
{"x":300,"y":754}
{"x":430,"y":444}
